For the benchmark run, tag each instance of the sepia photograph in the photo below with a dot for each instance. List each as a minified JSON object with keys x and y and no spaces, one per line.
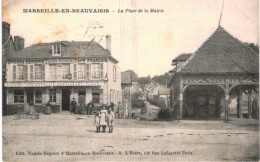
{"x":130,"y":80}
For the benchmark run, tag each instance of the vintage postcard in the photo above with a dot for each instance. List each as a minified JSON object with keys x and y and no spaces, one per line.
{"x":130,"y":80}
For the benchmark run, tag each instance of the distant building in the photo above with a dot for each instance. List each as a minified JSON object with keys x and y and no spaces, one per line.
{"x":60,"y":71}
{"x":179,"y":61}
{"x":217,"y":74}
{"x":127,"y":86}
{"x":158,"y":94}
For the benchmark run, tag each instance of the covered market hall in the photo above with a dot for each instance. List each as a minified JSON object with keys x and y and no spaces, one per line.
{"x":220,"y":79}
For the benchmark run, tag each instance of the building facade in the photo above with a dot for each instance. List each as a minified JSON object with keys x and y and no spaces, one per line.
{"x":60,"y":71}
{"x":220,"y":73}
{"x":9,"y":45}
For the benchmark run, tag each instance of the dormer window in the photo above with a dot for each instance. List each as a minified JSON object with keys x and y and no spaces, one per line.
{"x":56,"y":49}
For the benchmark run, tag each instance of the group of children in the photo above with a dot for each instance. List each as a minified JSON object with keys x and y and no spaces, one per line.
{"x":104,"y":118}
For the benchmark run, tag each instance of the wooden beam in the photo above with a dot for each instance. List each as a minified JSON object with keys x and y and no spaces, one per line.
{"x":256,"y":91}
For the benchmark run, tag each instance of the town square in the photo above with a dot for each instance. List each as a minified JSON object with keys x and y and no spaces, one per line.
{"x":130,"y":80}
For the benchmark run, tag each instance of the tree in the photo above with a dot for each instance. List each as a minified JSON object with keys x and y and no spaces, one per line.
{"x":136,"y":101}
{"x":162,"y":79}
{"x":133,"y":75}
{"x":143,"y":81}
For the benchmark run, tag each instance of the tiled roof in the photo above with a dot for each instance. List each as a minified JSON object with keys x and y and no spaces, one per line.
{"x":74,"y":49}
{"x":182,"y":57}
{"x":222,"y":53}
{"x":126,"y":78}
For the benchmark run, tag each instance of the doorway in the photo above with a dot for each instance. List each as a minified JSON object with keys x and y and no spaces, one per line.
{"x":82,"y":98}
{"x":65,"y":99}
{"x":29,"y":96}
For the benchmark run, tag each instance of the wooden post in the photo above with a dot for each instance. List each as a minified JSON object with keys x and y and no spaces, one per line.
{"x":181,"y":98}
{"x":249,"y":105}
{"x":239,"y":104}
{"x":226,"y":100}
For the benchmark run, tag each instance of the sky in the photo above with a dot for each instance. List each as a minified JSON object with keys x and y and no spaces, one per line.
{"x":143,"y":42}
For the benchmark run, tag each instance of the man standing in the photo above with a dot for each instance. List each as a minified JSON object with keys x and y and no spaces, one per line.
{"x":48,"y":108}
{"x":119,"y":111}
{"x":90,"y":107}
{"x":112,"y":106}
{"x":73,"y":105}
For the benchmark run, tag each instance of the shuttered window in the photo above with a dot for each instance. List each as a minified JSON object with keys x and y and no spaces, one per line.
{"x":22,"y":72}
{"x":43,"y":71}
{"x":75,"y":71}
{"x":25,"y":72}
{"x":14,"y":72}
{"x":101,"y":71}
{"x":38,"y":71}
{"x":95,"y":71}
{"x":81,"y":71}
{"x":31,"y":72}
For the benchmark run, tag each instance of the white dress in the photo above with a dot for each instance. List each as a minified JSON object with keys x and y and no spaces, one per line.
{"x":103,"y":118}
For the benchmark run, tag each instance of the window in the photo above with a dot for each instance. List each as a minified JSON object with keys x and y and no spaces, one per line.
{"x":114,"y":73}
{"x":59,"y":71}
{"x":81,"y":71}
{"x":22,"y":72}
{"x":52,"y":71}
{"x":38,"y":96}
{"x":56,"y":49}
{"x":18,"y":96}
{"x":52,"y":95}
{"x":88,"y":71}
{"x":66,"y":71}
{"x":81,"y":98}
{"x":96,"y":95}
{"x":38,"y":71}
{"x":96,"y":71}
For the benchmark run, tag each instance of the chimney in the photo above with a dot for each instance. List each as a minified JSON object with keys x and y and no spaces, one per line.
{"x":108,"y":43}
{"x":5,"y":32}
{"x":18,"y":42}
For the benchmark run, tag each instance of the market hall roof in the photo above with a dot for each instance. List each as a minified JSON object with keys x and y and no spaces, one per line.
{"x":74,"y":49}
{"x":222,"y":53}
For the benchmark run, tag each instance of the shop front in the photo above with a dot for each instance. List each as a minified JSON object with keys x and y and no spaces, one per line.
{"x":60,"y":97}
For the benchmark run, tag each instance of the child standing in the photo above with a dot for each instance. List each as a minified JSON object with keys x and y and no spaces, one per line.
{"x":111,"y":118}
{"x":97,"y":120}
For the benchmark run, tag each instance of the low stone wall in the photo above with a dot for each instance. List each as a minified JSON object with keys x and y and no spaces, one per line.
{"x":14,"y":109}
{"x":24,"y":108}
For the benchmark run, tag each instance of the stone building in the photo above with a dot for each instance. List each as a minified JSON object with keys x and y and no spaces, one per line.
{"x":221,"y":70}
{"x":9,"y":45}
{"x":60,"y":71}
